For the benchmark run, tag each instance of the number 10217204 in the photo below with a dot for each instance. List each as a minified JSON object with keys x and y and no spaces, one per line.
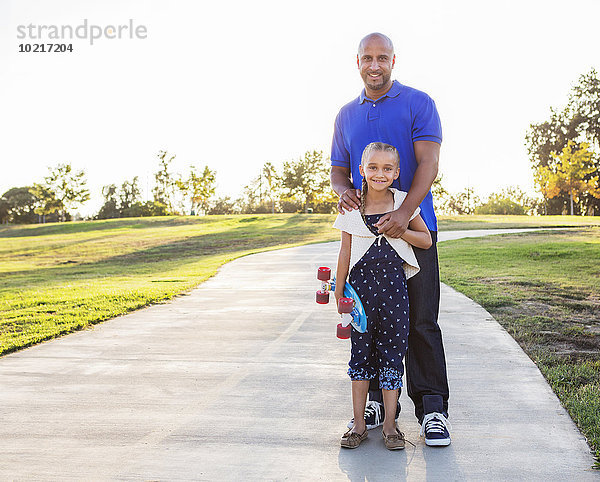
{"x":26,"y":48}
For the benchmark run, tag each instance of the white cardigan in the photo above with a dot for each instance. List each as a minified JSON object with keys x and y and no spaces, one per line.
{"x":362,"y":238}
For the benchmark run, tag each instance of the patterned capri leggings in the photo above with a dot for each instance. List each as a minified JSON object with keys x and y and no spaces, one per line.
{"x":381,"y":285}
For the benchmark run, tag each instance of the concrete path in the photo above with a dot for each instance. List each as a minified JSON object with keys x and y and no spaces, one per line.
{"x":244,"y":379}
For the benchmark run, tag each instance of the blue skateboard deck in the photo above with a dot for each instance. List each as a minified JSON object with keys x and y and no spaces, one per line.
{"x":359,"y":317}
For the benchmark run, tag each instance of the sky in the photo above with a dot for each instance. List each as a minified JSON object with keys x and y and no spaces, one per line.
{"x":234,"y":84}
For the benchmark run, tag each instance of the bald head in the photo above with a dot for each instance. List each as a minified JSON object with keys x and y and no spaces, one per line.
{"x":377,"y":37}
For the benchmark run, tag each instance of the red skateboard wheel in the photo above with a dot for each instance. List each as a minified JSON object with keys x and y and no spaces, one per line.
{"x":323,"y":273}
{"x":322,"y":297}
{"x":345,"y":305}
{"x":344,"y":332}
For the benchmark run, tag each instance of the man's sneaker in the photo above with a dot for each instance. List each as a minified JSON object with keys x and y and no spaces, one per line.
{"x":435,"y":425}
{"x":373,"y":415}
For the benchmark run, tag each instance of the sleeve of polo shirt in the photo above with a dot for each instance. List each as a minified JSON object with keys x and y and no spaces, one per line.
{"x":426,"y":123}
{"x":339,"y":154}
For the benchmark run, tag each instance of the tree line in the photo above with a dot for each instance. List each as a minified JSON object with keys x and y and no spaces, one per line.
{"x":564,"y":153}
{"x":509,"y":200}
{"x":301,"y":185}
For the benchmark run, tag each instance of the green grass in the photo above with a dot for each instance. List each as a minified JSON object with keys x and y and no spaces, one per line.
{"x":446,"y":223}
{"x":543,"y":288}
{"x":58,"y":278}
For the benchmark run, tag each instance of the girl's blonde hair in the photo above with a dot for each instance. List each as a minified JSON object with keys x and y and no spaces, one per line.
{"x":373,"y":147}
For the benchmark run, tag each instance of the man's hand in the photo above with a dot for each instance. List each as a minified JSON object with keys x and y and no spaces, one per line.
{"x":393,"y":224}
{"x":349,"y":200}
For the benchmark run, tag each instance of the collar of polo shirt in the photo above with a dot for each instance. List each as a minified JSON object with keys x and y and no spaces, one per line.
{"x":393,"y":92}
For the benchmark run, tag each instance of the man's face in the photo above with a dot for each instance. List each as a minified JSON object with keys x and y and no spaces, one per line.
{"x":375,"y":63}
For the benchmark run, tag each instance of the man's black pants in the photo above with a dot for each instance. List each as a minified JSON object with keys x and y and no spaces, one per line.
{"x":425,"y":360}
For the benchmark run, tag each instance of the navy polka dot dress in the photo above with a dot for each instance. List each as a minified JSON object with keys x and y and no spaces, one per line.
{"x":379,"y":281}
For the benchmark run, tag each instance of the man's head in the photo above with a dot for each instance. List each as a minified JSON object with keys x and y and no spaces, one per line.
{"x":375,"y":62}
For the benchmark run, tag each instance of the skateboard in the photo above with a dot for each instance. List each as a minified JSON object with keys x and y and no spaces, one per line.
{"x":350,"y":307}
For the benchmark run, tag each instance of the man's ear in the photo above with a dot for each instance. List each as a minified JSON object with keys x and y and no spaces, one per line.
{"x":357,"y":61}
{"x":393,"y":61}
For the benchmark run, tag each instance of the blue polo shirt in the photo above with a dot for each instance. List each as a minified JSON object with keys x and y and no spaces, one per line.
{"x":402,"y":116}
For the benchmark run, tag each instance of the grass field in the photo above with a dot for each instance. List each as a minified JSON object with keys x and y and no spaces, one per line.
{"x":446,"y":223}
{"x":58,"y":278}
{"x":543,"y":288}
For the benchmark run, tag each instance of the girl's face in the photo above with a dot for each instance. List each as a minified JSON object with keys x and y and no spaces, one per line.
{"x":380,"y":170}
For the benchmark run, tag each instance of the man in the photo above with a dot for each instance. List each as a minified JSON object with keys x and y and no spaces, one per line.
{"x":406,"y":118}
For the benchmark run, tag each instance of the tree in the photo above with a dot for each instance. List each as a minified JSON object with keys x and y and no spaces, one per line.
{"x":145,"y":209}
{"x":308,"y":180}
{"x":510,"y":200}
{"x":201,"y":188}
{"x":578,"y":121}
{"x":223,"y":205}
{"x":263,"y":192}
{"x":463,"y":202}
{"x":440,"y":195}
{"x":251,"y":201}
{"x":499,"y":203}
{"x":571,"y":173}
{"x":520,"y":197}
{"x":584,"y":103}
{"x":541,"y":178}
{"x":4,"y":210}
{"x":163,"y":190}
{"x":46,"y":202}
{"x":119,"y":200}
{"x":129,"y":193}
{"x":272,"y":181}
{"x":17,"y":205}
{"x":110,"y":208}
{"x":67,"y":186}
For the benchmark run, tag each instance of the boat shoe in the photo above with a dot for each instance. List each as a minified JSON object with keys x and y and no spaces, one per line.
{"x":394,"y":441}
{"x":351,"y":440}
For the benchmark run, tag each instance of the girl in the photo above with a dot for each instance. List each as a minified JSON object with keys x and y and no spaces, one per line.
{"x":378,"y":267}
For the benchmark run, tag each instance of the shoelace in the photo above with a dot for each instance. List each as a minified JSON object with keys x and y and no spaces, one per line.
{"x":401,"y":435}
{"x":435,"y":422}
{"x":372,"y":409}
